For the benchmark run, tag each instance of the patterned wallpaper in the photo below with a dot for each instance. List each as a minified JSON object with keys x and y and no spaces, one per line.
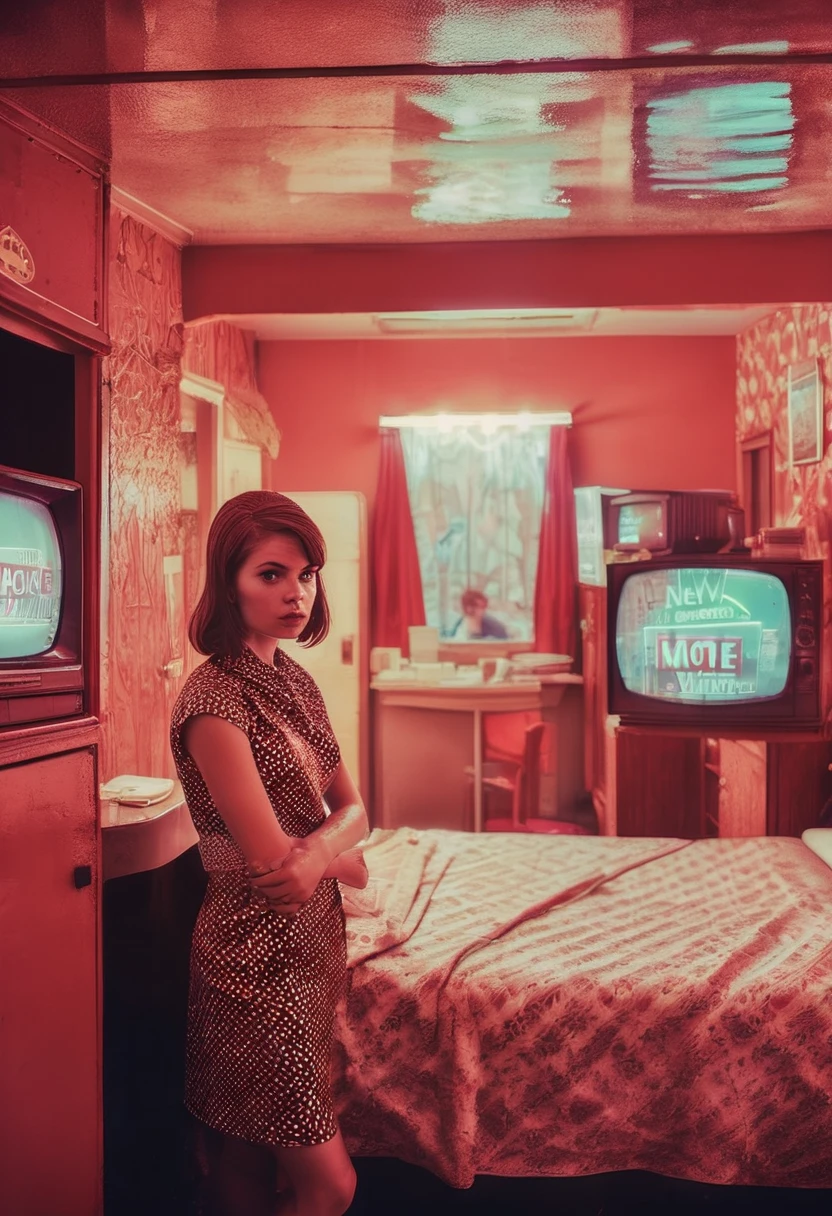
{"x":145,"y":604}
{"x":802,"y":494}
{"x":222,"y":352}
{"x":142,"y":462}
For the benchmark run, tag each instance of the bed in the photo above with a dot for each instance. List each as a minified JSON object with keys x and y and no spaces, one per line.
{"x":558,"y":1006}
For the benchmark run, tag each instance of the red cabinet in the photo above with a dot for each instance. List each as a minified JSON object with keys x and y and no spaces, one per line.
{"x":52,"y":293}
{"x":52,"y":203}
{"x":50,"y":1087}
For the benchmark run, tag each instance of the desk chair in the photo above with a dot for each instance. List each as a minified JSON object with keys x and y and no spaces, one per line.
{"x":518,"y":781}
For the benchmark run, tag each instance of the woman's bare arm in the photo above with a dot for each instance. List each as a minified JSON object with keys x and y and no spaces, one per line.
{"x":291,"y":869}
{"x":291,"y":882}
{"x":222,"y":753}
{"x":347,"y":824}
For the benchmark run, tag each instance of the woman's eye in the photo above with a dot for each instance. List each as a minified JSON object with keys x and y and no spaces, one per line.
{"x":309,"y":575}
{"x":268,"y":575}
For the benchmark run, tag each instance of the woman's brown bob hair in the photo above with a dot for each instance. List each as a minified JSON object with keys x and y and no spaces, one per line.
{"x":216,"y":626}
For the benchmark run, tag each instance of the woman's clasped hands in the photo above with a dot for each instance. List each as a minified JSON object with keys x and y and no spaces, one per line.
{"x":293,"y":880}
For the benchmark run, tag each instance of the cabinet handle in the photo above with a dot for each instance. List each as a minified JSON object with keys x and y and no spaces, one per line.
{"x":82,"y":877}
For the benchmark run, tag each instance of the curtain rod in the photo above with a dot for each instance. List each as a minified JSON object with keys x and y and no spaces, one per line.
{"x":522,"y":418}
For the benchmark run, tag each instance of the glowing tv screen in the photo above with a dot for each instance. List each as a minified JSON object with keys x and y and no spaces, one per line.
{"x":41,"y":598}
{"x":31,"y":580}
{"x":713,"y":640}
{"x":704,"y":634}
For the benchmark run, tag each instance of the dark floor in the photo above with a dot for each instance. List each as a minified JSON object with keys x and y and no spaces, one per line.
{"x":386,"y":1187}
{"x":150,"y":1163}
{"x":158,"y":1186}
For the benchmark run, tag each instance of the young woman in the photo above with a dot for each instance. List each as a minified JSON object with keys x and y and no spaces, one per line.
{"x":256,"y":755}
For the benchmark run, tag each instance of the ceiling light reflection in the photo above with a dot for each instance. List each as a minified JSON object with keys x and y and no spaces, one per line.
{"x":721,"y":139}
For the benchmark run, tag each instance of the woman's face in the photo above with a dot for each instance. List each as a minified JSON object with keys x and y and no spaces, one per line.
{"x":275,"y":589}
{"x":475,"y":612}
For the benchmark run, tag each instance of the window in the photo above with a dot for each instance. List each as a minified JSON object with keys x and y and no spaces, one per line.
{"x":476,"y":489}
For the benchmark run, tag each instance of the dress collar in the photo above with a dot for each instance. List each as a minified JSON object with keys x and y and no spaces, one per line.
{"x":275,"y":682}
{"x":249,"y":667}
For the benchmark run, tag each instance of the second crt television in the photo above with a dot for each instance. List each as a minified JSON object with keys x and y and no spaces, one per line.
{"x":716,"y":641}
{"x":41,"y":623}
{"x":675,"y":521}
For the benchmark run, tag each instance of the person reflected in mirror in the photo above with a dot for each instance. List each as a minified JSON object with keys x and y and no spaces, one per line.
{"x":256,"y":756}
{"x":476,"y":622}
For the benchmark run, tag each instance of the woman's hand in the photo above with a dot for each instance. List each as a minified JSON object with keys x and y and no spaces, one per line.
{"x":349,"y":868}
{"x":295,"y":880}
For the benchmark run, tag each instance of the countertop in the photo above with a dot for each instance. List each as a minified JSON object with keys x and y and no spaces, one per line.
{"x":136,"y":838}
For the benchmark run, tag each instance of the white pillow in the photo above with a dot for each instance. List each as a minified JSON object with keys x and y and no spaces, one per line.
{"x":819,"y":840}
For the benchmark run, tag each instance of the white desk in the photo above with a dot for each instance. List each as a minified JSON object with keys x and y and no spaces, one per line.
{"x":413,"y":751}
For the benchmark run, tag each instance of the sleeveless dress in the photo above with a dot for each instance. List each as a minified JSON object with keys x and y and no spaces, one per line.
{"x":263,"y":989}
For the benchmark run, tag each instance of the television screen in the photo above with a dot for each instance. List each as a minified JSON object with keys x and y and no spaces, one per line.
{"x":642,"y":524}
{"x":704,"y":634}
{"x":31,"y":581}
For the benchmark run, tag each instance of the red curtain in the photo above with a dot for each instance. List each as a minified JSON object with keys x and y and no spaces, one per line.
{"x":555,"y":593}
{"x":397,"y":584}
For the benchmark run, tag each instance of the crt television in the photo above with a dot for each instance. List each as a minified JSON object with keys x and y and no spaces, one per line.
{"x":717,"y":640}
{"x":41,"y":664}
{"x":675,"y":521}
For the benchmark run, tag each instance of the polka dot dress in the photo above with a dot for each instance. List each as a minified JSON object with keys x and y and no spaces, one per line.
{"x":263,"y":989}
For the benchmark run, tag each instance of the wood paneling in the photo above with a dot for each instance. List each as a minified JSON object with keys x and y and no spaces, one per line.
{"x":659,"y":785}
{"x":592,"y":608}
{"x":799,"y":784}
{"x":742,"y":787}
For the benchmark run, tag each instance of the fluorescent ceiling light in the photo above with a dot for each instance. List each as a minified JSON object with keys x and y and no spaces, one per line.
{"x":485,"y":321}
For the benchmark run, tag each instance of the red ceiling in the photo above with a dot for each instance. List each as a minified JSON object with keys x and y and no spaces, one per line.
{"x":731,"y":144}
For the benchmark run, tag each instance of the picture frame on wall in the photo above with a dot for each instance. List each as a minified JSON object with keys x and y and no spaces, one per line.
{"x":805,"y":412}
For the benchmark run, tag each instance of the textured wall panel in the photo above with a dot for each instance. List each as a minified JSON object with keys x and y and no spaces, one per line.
{"x":144,"y":458}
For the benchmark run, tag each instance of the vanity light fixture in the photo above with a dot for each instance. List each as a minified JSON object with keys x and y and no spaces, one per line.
{"x":489,"y":422}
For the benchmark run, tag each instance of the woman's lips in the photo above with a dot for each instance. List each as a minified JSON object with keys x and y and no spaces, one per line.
{"x":292,"y":617}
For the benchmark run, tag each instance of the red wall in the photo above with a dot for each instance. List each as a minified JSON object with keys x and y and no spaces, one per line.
{"x":648,"y":411}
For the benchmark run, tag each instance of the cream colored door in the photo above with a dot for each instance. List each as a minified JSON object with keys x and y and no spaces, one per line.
{"x":339,"y":664}
{"x":242,"y":468}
